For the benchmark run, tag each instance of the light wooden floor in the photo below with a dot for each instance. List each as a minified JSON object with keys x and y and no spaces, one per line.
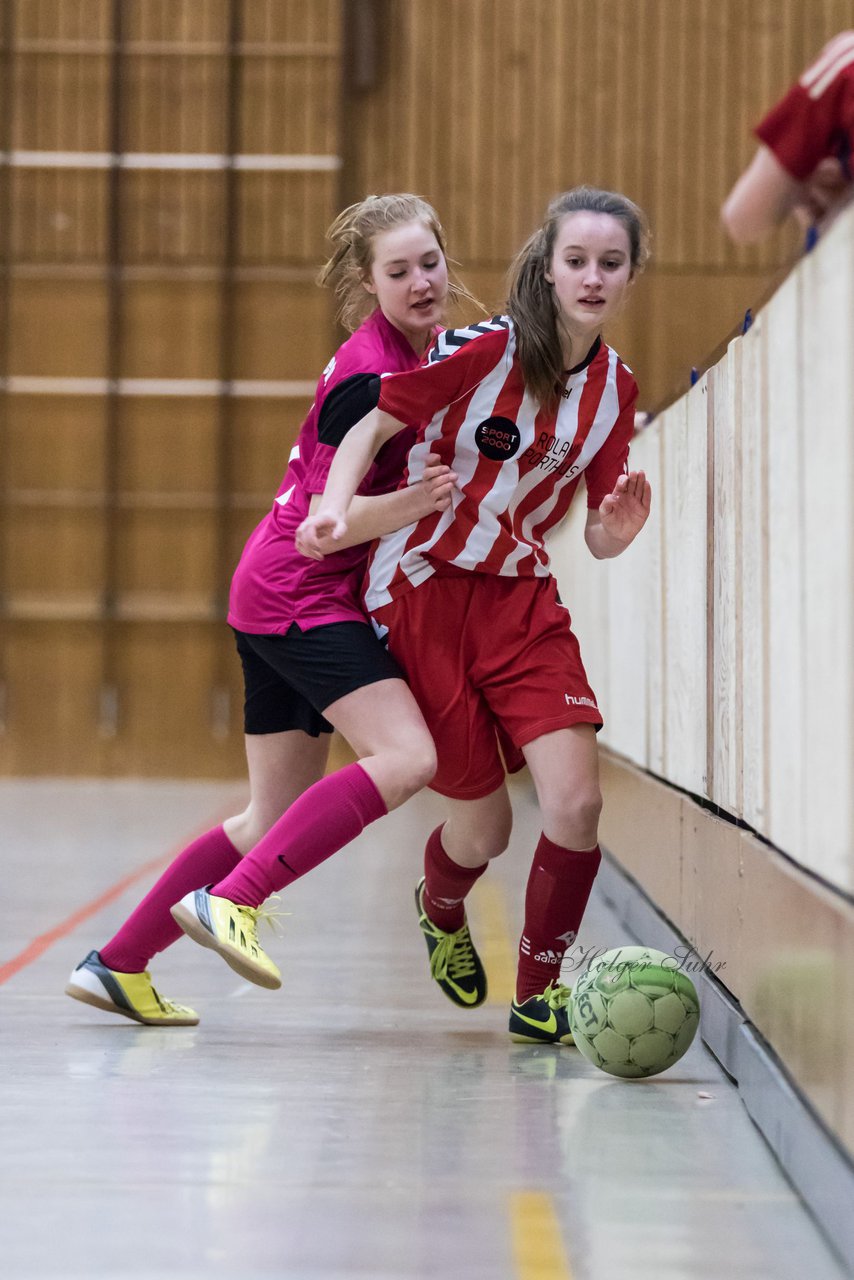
{"x":353,"y":1124}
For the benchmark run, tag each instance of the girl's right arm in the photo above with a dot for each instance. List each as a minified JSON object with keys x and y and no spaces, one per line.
{"x":349,"y":467}
{"x":371,"y":516}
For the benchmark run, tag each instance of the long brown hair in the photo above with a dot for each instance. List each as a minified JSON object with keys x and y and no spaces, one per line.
{"x":531,"y":303}
{"x":352,"y":235}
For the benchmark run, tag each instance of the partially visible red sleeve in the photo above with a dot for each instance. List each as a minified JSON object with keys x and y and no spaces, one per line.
{"x":812,"y":121}
{"x":421,"y":393}
{"x":612,"y":460}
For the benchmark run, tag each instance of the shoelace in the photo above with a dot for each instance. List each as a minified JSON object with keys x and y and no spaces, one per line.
{"x":166,"y":1006}
{"x":453,"y":955}
{"x":557,"y":996}
{"x":169,"y":1006}
{"x":251,"y":916}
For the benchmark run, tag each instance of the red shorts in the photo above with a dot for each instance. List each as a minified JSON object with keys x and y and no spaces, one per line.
{"x":489,"y":659}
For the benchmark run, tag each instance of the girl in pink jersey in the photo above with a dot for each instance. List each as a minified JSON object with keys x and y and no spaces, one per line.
{"x":519,"y":408}
{"x":310,"y":659}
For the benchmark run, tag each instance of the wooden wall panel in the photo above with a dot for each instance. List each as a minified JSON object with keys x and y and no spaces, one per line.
{"x":175,"y":102}
{"x":58,"y":328}
{"x":682,"y":501}
{"x":168,"y":478}
{"x":585,"y":594}
{"x":174,"y":331}
{"x":754,"y":573}
{"x":58,"y":216}
{"x":626,"y":580}
{"x":172,"y":218}
{"x":52,"y":698}
{"x":86,"y":20}
{"x":171,"y":331}
{"x":166,"y":712}
{"x":54,"y":557}
{"x":166,"y":678}
{"x":59,"y":100}
{"x":283,"y":216}
{"x":167,"y":553}
{"x":178,"y":21}
{"x":167,"y":449}
{"x":787,"y":744}
{"x":283,"y":332}
{"x":648,"y":453}
{"x":305,"y":84}
{"x":265,"y":432}
{"x":828,"y":549}
{"x":725,"y":587}
{"x":54,"y":444}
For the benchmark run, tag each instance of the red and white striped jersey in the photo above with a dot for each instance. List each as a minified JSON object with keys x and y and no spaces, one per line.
{"x":518,"y":464}
{"x":815,"y":119}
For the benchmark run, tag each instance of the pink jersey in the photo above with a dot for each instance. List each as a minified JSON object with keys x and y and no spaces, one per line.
{"x":518,"y":463}
{"x":815,"y":119}
{"x":273,"y":585}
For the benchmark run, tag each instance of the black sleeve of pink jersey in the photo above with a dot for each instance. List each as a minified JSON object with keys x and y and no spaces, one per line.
{"x":612,"y":460}
{"x":417,"y":395}
{"x":345,"y":405}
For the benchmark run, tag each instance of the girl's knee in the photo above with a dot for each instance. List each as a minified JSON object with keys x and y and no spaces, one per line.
{"x":577,"y":814}
{"x":422,"y":766}
{"x":478,"y":842}
{"x":411,"y":770}
{"x":490,"y":844}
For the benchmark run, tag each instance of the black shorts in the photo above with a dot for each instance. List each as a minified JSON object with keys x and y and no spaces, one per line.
{"x":289,"y":680}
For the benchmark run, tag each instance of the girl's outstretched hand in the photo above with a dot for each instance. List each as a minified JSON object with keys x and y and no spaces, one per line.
{"x":323,"y":525}
{"x":624,"y":512}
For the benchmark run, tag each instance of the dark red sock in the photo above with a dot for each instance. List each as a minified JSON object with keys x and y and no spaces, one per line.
{"x":446,"y":884}
{"x":558,"y":888}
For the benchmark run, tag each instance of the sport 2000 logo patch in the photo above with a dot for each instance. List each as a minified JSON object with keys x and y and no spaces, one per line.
{"x":498,"y":438}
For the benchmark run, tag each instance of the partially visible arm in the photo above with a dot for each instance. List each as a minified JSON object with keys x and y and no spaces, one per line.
{"x":349,"y":467}
{"x":371,"y":517}
{"x":618,"y":520}
{"x":761,"y":199}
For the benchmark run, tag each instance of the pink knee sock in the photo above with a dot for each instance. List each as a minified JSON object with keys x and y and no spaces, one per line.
{"x":325,"y":817}
{"x":558,"y":888}
{"x":150,"y":928}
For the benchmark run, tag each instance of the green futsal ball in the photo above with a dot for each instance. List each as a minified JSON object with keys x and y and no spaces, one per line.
{"x":633,"y":1013}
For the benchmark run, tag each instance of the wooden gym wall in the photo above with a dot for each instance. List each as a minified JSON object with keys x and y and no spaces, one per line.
{"x":168,"y":169}
{"x":172,"y":167}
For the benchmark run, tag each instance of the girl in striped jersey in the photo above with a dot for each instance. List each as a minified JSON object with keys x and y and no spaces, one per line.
{"x":520,"y":408}
{"x":310,"y":659}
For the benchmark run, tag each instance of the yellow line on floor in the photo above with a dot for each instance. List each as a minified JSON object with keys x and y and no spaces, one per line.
{"x":491,"y":935}
{"x":538,"y":1248}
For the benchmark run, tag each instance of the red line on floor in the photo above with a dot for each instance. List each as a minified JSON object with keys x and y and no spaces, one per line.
{"x":41,"y":944}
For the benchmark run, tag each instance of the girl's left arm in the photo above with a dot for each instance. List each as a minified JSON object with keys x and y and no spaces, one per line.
{"x":620,"y":516}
